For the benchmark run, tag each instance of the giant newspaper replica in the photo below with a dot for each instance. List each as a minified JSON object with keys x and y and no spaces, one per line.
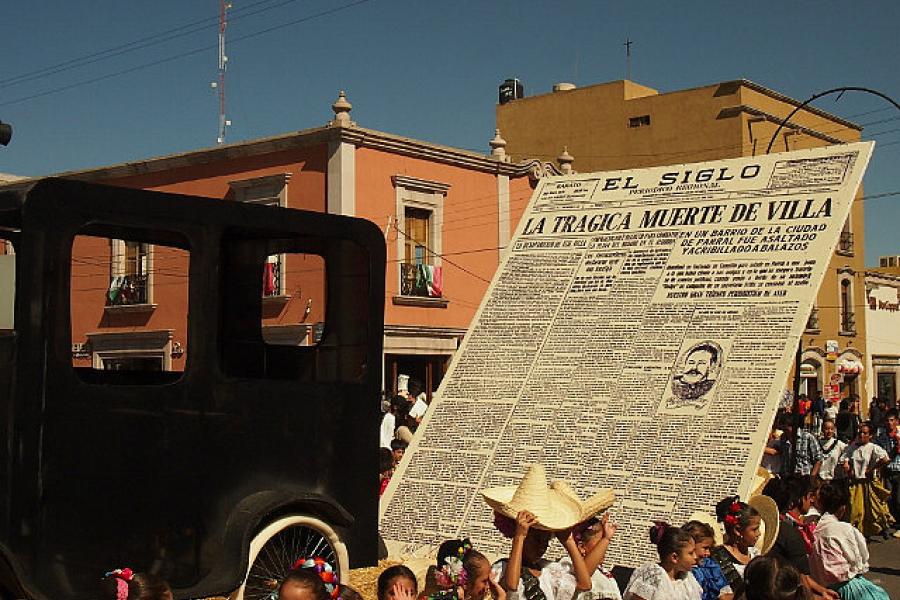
{"x":637,"y":335}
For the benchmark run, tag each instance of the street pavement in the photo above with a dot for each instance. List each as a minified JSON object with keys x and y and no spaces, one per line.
{"x":884,"y":565}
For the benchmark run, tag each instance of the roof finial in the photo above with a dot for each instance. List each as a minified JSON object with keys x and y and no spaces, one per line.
{"x":342,"y":110}
{"x":498,"y":147}
{"x":565,"y":161}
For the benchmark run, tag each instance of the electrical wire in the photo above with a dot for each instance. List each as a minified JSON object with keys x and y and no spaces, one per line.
{"x":144,"y":42}
{"x":183,"y":54}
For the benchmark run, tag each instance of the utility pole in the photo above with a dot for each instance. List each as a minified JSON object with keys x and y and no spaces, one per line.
{"x":223,"y":64}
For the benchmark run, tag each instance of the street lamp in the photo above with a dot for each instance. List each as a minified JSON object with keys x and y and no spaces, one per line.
{"x":5,"y":133}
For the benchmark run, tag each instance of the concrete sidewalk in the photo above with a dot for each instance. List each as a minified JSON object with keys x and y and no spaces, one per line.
{"x":884,"y":565}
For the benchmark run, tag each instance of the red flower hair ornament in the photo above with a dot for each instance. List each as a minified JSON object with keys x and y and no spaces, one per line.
{"x":122,"y":576}
{"x":324,"y":570}
{"x":734,"y":511}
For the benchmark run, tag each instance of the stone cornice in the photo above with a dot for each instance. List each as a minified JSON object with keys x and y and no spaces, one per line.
{"x":359,"y":136}
{"x":369,"y":138}
{"x":885,"y":277}
{"x":733,"y":111}
{"x":424,"y":331}
{"x":788,"y":100}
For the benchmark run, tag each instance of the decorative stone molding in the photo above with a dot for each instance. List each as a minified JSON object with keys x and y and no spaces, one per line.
{"x":419,"y":185}
{"x":120,"y":344}
{"x":538,"y":170}
{"x":246,"y":190}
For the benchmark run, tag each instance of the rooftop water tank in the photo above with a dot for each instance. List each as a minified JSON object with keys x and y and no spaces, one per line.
{"x":511,"y":89}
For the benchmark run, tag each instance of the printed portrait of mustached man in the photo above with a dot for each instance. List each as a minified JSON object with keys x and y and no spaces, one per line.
{"x":698,"y":371}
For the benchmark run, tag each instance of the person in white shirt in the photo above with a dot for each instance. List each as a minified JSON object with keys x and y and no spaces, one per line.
{"x":869,"y":511}
{"x":832,"y":450}
{"x":389,"y":421}
{"x":840,"y":556}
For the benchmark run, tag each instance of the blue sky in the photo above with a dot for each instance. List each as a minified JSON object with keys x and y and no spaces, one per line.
{"x":421,"y":68}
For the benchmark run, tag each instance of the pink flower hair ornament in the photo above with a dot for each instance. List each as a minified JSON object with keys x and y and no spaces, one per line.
{"x":452,"y":573}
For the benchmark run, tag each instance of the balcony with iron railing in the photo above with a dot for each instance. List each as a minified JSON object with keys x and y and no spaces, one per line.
{"x":128,"y":290}
{"x":812,"y":323}
{"x":845,"y":243}
{"x":421,"y":285}
{"x":848,"y":323}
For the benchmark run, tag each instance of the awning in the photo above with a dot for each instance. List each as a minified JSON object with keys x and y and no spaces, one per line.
{"x":849,"y":366}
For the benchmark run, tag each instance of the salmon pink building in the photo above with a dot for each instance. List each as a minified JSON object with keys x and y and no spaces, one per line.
{"x":447,"y":215}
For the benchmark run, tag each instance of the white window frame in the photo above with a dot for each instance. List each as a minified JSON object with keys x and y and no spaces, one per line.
{"x":131,"y":344}
{"x":117,"y":264}
{"x":268,"y":190}
{"x":412,"y":192}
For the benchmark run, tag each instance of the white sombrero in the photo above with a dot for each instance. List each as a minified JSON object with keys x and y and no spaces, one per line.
{"x":556,"y":506}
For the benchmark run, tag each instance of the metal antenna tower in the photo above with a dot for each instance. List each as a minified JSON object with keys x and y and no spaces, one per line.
{"x":223,"y":65}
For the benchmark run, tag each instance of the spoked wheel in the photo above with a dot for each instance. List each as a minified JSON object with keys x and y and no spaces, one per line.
{"x":275,"y":549}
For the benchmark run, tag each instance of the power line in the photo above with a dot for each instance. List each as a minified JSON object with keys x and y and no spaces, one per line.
{"x":145,"y":42}
{"x":433,"y":253}
{"x":182,"y":54}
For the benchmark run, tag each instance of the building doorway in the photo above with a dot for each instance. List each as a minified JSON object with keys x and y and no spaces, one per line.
{"x":887,"y":386}
{"x":428,"y":370}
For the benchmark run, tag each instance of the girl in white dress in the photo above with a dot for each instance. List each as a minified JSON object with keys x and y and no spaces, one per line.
{"x":671,"y":577}
{"x":593,"y":538}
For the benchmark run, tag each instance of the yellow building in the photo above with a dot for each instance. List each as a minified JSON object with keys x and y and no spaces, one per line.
{"x":622,"y":125}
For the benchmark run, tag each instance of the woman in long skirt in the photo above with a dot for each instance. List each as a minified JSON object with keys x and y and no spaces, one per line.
{"x":861,"y":460}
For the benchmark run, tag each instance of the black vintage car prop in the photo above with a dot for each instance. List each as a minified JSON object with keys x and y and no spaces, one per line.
{"x":216,"y":477}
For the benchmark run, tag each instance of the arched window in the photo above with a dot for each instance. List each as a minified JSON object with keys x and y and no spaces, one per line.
{"x":848,"y":320}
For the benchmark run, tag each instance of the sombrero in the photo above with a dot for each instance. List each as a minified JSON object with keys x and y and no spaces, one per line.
{"x":556,"y":506}
{"x":760,"y":480}
{"x":769,"y":519}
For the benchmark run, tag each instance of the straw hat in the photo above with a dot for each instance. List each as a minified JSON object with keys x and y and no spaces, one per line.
{"x":760,"y":480}
{"x":770,"y":521}
{"x":556,"y":507}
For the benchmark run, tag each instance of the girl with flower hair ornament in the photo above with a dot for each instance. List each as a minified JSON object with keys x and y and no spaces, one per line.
{"x":125,"y":584}
{"x":464,"y":573}
{"x":302,"y":584}
{"x":324,"y":571}
{"x":741,"y":523}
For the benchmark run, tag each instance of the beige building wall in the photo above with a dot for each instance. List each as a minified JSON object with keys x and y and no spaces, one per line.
{"x":883,"y":320}
{"x":621,"y":125}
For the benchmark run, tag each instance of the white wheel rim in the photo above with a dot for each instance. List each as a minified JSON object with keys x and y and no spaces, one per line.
{"x":267,"y":565}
